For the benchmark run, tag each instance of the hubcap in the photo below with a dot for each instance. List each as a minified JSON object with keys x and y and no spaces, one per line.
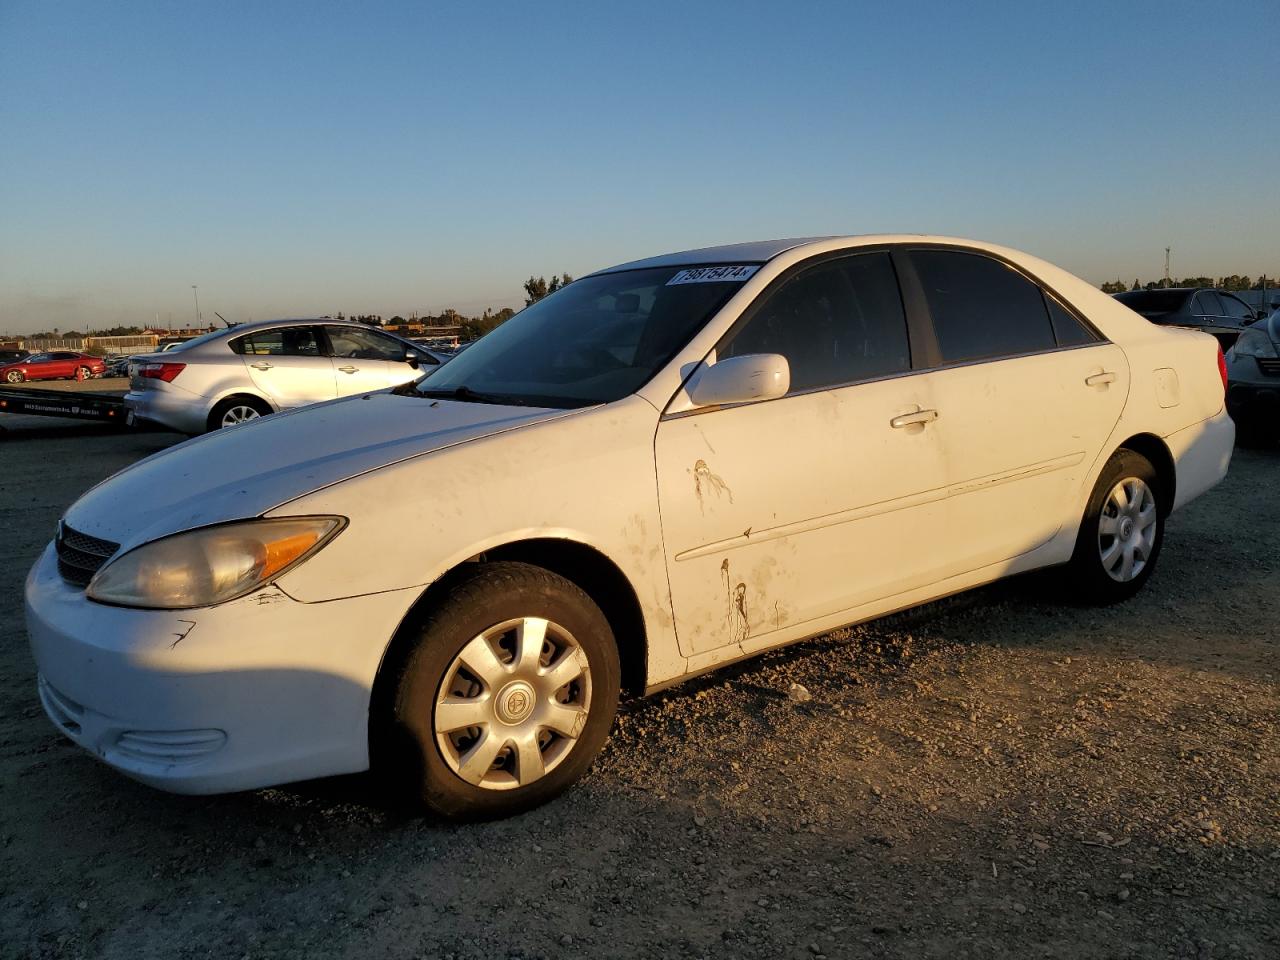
{"x":513,"y":703}
{"x":239,"y":415}
{"x":1127,"y":529}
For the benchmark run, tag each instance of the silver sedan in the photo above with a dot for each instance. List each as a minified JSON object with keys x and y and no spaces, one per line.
{"x":248,"y":371}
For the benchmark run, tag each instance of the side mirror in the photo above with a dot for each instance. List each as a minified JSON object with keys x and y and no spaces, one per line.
{"x":752,"y":376}
{"x":411,"y":358}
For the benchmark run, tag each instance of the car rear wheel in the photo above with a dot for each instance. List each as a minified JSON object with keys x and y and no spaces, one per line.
{"x":14,"y":376}
{"x":1121,"y":533}
{"x":501,"y":696}
{"x":237,"y":410}
{"x":83,"y":373}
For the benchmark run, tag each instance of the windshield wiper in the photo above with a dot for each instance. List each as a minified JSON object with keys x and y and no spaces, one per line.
{"x":466,"y":394}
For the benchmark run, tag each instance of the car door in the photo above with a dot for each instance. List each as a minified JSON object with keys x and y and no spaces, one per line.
{"x":1027,"y":395}
{"x":61,"y":364}
{"x":780,"y":512}
{"x":365,"y":359}
{"x":288,"y":365}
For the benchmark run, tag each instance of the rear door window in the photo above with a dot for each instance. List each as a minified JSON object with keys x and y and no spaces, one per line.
{"x":839,"y":322}
{"x":280,"y":342}
{"x":981,"y":308}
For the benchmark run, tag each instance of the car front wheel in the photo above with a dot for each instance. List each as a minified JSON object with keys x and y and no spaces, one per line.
{"x":1121,"y":533}
{"x":14,"y":376}
{"x":500,"y":698}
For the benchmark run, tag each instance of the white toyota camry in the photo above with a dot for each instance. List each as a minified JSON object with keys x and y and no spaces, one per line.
{"x":666,"y":466}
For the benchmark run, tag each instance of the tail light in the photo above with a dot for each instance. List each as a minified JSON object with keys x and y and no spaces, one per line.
{"x":1222,"y":368}
{"x":161,"y":371}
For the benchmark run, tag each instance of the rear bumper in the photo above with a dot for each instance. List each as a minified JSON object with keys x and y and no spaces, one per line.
{"x":1201,"y":455}
{"x":171,"y":407}
{"x":254,"y":692}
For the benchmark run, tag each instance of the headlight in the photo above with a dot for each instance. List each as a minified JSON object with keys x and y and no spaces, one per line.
{"x":1254,"y":343}
{"x":210,"y":565}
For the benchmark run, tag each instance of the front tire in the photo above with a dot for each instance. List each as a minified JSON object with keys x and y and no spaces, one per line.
{"x":14,"y":376}
{"x":1121,"y":533}
{"x":500,"y":697}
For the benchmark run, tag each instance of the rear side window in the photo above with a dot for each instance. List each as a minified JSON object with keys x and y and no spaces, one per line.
{"x":281,"y":342}
{"x":839,"y":322}
{"x":981,"y":308}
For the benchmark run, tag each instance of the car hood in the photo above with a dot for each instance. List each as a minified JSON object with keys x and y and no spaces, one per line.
{"x":244,"y":471}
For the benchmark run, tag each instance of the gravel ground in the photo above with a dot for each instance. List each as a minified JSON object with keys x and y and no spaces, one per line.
{"x":997,"y":775}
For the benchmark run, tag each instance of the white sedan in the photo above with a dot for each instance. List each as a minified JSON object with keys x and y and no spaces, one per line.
{"x":664,"y":467}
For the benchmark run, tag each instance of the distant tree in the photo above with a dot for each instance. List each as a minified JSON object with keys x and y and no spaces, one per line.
{"x":1194,"y":282}
{"x":1235,"y":282}
{"x":396,"y":321}
{"x":1136,"y":284}
{"x":1114,"y":286}
{"x":537,"y":287}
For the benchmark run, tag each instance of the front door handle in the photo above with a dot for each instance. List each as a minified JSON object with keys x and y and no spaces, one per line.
{"x":261,"y":365}
{"x":1100,"y":379}
{"x":907,"y":419}
{"x":348,"y":369}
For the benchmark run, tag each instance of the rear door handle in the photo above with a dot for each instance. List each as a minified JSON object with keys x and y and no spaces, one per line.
{"x":348,"y":369}
{"x":261,"y":365}
{"x":1100,"y":379}
{"x":907,"y":419}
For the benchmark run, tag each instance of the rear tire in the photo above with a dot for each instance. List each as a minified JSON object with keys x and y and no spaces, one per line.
{"x":83,"y":373}
{"x":500,"y":696}
{"x":236,"y":410}
{"x":1121,"y":532}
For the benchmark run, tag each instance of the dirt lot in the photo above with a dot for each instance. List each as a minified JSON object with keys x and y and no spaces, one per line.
{"x":996,"y":776}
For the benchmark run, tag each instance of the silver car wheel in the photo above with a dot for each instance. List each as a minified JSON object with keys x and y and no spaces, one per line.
{"x":513,"y":704}
{"x":239,"y":414}
{"x":1127,"y":529}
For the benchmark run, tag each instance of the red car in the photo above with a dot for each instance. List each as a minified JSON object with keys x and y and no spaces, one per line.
{"x":57,"y":365}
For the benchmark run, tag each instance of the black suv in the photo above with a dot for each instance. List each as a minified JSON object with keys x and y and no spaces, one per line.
{"x":1214,"y":311}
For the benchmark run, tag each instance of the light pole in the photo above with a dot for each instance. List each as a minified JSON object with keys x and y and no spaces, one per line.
{"x":197,"y":296}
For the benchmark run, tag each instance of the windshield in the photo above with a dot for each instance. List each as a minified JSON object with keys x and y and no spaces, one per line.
{"x":1154,"y":301}
{"x":594,"y":341}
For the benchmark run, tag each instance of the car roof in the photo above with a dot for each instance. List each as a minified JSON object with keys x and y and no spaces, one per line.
{"x":755,"y":251}
{"x":761,"y":251}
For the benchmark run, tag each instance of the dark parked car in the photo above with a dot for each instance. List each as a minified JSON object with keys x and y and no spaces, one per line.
{"x":13,"y":356}
{"x":57,"y":365}
{"x":1253,"y":373}
{"x":1212,"y":311}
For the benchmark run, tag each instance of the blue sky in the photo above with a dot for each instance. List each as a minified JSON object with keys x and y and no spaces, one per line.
{"x":293,"y":159}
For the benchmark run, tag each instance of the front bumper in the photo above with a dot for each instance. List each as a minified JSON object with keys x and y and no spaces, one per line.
{"x":171,"y":407}
{"x":254,"y":692}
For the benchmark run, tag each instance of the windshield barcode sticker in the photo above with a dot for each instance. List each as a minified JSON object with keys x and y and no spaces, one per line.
{"x":713,"y":275}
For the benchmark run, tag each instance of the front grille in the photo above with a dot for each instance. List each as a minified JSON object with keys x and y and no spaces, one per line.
{"x":80,"y":556}
{"x":1269,"y":365}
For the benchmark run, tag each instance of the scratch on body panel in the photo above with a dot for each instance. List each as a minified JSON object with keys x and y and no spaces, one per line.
{"x":182,"y":635}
